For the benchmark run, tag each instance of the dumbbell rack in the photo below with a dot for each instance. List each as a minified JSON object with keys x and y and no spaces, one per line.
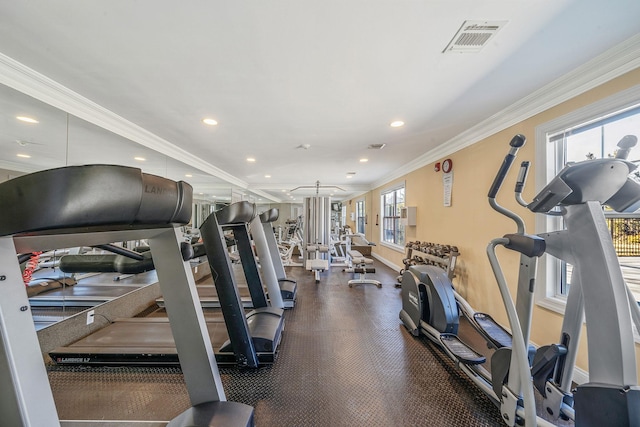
{"x":443,"y":256}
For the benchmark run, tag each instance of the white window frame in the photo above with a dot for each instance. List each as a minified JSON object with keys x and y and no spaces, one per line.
{"x":402,"y":185}
{"x":546,"y":294}
{"x":361,"y":203}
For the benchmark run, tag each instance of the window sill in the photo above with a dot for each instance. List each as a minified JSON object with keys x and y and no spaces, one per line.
{"x":391,"y":246}
{"x":554,"y":304}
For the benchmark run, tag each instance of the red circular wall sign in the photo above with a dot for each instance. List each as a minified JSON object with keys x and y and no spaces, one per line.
{"x":447,"y":166}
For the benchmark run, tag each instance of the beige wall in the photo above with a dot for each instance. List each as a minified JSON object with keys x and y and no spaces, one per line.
{"x":470,"y":223}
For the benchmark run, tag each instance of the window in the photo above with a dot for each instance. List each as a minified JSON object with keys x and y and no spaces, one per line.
{"x":392,"y":202}
{"x":591,"y":132}
{"x":596,"y":139}
{"x":360,"y":219}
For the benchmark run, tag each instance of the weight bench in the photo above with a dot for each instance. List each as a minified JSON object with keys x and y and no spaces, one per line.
{"x":317,"y":264}
{"x":359,"y":266}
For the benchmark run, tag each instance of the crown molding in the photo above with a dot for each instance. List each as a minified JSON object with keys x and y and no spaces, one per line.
{"x":265,"y":195}
{"x":613,"y":63}
{"x":30,"y":82}
{"x":323,"y":186}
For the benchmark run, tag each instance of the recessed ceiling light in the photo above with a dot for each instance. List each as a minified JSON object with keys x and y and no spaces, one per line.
{"x":24,"y":156}
{"x":140,"y":159}
{"x":364,"y":160}
{"x":188,"y":175}
{"x":397,"y":124}
{"x":250,"y":159}
{"x":27,"y":119}
{"x":210,"y":122}
{"x":284,"y":191}
{"x":267,"y":176}
{"x":349,"y":176}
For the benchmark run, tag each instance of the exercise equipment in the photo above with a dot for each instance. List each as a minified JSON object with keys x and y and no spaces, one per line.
{"x":56,"y":290}
{"x":269,"y":254}
{"x":293,"y":239}
{"x":431,"y":306}
{"x":261,"y":329}
{"x":359,"y":264}
{"x":598,"y":294}
{"x":91,"y":205}
{"x":249,"y":340}
{"x":317,"y":214}
{"x":612,"y":397}
{"x":443,"y":256}
{"x":282,"y":291}
{"x":121,"y":260}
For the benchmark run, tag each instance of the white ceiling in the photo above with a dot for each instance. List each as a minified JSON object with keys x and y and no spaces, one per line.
{"x":279,"y":74}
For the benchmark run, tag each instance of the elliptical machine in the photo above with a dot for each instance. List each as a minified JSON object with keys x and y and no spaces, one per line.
{"x":598,"y":293}
{"x":431,"y":305}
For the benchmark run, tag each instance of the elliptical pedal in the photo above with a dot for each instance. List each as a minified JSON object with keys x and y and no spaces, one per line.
{"x":494,"y":332}
{"x":461,"y":351}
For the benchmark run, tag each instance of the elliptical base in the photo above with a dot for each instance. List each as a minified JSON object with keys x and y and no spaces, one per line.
{"x":604,"y":404}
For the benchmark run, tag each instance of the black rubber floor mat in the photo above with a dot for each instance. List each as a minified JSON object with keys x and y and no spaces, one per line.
{"x":345,"y":360}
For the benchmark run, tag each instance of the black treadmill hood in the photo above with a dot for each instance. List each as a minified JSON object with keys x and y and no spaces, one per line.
{"x":269,"y":216}
{"x":92,"y":196}
{"x":236,"y":213}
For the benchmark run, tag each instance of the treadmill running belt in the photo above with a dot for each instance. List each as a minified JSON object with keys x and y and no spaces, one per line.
{"x":142,"y":341}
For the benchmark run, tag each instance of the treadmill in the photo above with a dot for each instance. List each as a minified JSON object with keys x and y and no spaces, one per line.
{"x":206,"y":289}
{"x":288,"y":287}
{"x":89,"y":292}
{"x":91,"y":205}
{"x":137,"y":268}
{"x":265,"y":323}
{"x":209,"y":296}
{"x":248,"y":341}
{"x":282,"y":291}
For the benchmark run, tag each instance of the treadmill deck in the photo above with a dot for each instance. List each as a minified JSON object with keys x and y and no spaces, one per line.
{"x":143,"y":341}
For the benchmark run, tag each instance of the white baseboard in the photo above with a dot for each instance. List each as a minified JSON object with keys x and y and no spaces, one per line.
{"x":387,"y":262}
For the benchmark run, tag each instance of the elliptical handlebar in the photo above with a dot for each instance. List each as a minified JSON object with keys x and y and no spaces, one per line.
{"x":516,"y":142}
{"x":522,"y":178}
{"x":625,"y":145}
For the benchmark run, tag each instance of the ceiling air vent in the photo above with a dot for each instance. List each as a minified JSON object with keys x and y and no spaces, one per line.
{"x":473,"y":36}
{"x":376,"y":146}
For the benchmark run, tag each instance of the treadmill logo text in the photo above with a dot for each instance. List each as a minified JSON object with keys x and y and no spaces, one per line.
{"x":154,"y":190}
{"x":413,"y":298}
